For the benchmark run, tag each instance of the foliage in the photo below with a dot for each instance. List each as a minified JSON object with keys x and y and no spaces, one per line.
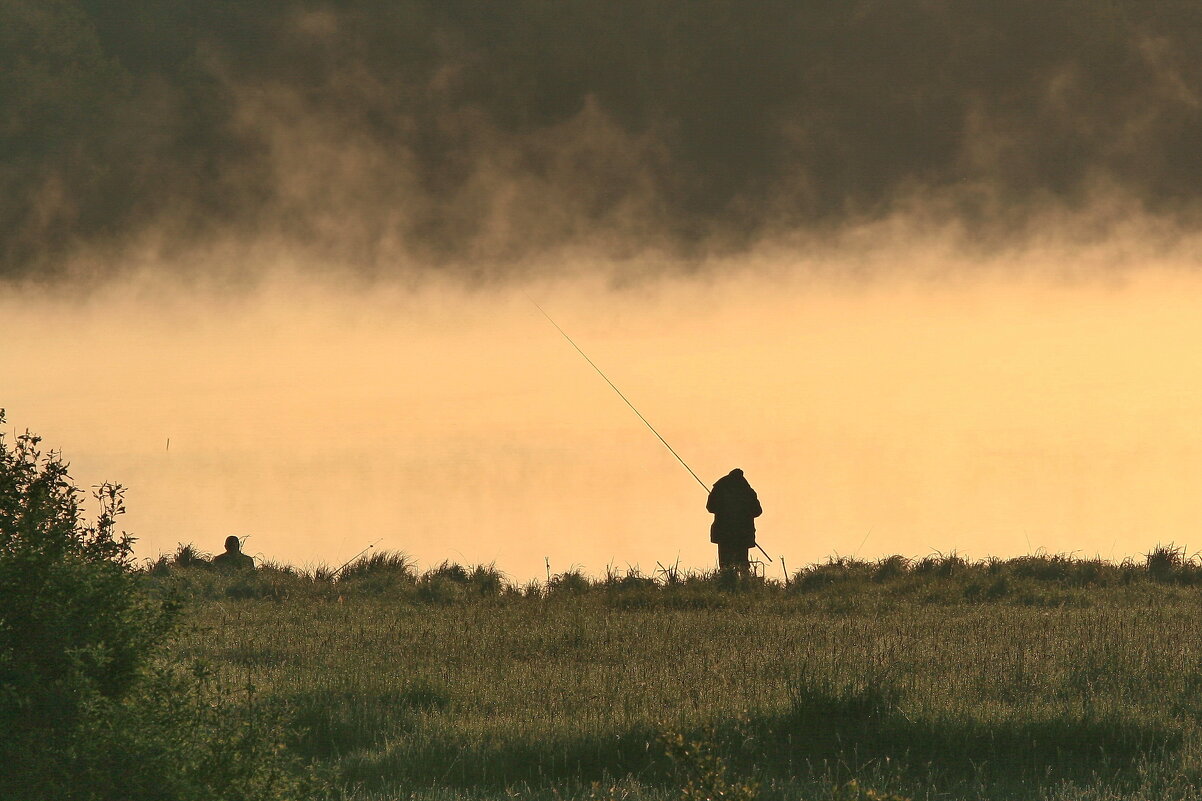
{"x":569,"y":582}
{"x":186,"y":736}
{"x":377,"y":563}
{"x":87,"y":709}
{"x":73,"y":628}
{"x":1046,"y":675}
{"x":701,"y":772}
{"x":1033,"y":580}
{"x":903,"y":688}
{"x":853,"y":791}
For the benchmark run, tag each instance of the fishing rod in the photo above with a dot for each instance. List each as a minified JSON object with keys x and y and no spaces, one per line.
{"x":614,"y":387}
{"x":356,"y":557}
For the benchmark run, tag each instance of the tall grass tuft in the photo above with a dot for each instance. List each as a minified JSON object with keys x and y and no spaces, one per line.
{"x":569,"y":582}
{"x":1166,"y":562}
{"x":393,"y":564}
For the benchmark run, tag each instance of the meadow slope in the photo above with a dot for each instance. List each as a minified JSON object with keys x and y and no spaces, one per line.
{"x":1041,"y":677}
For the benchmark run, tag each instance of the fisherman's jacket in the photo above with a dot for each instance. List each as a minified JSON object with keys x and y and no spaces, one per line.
{"x":735,"y":507}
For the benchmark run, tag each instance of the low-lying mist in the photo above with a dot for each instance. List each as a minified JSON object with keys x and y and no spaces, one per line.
{"x":1050,"y":400}
{"x":923,"y":269}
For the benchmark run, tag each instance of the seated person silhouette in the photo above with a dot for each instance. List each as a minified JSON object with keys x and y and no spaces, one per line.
{"x":233,"y":558}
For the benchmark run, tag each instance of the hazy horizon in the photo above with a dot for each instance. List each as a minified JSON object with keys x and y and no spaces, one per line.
{"x":926,"y":271}
{"x":901,"y":413}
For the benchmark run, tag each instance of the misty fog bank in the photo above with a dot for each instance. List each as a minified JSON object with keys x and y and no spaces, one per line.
{"x":389,"y":136}
{"x":989,"y":416}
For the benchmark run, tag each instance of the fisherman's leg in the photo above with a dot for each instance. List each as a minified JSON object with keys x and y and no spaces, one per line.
{"x":742,"y":561}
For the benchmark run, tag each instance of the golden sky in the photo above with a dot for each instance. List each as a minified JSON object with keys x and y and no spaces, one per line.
{"x":996,"y":414}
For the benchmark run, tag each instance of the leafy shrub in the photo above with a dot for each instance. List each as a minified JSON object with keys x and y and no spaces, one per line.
{"x":73,"y":627}
{"x":183,"y":735}
{"x":85,"y":712}
{"x":701,"y":772}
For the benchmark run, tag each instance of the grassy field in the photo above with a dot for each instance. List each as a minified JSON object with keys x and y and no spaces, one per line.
{"x":1042,"y":677}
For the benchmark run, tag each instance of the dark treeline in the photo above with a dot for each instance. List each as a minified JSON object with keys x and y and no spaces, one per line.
{"x":440,"y":130}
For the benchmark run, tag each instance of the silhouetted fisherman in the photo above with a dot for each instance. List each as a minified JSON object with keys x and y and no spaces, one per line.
{"x":735,"y":507}
{"x":233,"y":558}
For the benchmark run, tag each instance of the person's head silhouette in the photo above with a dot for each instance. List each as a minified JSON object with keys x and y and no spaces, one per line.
{"x":233,"y":556}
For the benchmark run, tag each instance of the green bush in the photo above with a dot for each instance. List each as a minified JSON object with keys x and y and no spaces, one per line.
{"x":86,"y":710}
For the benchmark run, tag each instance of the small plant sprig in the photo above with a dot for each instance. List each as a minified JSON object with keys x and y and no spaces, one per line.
{"x":853,"y":791}
{"x":704,"y":774}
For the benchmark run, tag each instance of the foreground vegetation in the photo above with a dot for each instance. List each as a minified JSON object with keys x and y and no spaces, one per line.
{"x":1039,"y":677}
{"x":90,"y":708}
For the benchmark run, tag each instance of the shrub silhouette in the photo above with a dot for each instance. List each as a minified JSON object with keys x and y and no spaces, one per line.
{"x":85,"y":711}
{"x":72,"y":627}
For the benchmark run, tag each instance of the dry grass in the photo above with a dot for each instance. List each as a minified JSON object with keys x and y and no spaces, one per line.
{"x":1040,"y":677}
